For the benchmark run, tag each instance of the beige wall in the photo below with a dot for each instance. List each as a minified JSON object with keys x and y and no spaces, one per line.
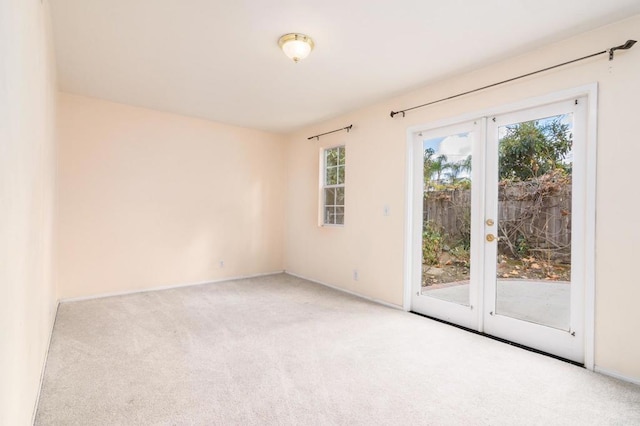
{"x":27,"y":294}
{"x":150,"y":199}
{"x":374,"y":244}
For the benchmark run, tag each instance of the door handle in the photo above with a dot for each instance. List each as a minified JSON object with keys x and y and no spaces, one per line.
{"x":491,"y":237}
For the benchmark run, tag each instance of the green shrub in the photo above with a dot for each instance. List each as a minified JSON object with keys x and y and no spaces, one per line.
{"x":431,"y":243}
{"x":461,"y":254}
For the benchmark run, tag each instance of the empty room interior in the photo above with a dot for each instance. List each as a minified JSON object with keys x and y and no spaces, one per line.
{"x":337,"y":212}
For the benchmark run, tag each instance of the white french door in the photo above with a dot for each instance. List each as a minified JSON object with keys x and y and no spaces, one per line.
{"x":500,"y":225}
{"x":450,"y":297}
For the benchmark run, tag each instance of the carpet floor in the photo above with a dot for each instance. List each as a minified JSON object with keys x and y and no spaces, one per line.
{"x":278,"y":350}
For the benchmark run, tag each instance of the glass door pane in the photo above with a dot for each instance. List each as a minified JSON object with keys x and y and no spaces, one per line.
{"x":446,"y":221}
{"x":533,"y":268}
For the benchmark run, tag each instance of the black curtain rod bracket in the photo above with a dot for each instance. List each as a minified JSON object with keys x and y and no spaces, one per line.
{"x":317,"y":137}
{"x":627,"y":45}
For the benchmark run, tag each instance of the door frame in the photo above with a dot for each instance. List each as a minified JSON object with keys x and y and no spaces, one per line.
{"x":589,"y":91}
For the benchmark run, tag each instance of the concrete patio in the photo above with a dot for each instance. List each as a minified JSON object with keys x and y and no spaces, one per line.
{"x":540,"y":302}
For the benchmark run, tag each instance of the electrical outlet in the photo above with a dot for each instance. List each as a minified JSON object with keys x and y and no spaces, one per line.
{"x":222,"y":263}
{"x":355,"y":275}
{"x":386,"y":210}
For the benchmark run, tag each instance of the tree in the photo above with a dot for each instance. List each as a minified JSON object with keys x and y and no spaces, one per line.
{"x":457,"y":168}
{"x":433,"y":166}
{"x":534,"y":148}
{"x":439,"y":166}
{"x":426,"y":168}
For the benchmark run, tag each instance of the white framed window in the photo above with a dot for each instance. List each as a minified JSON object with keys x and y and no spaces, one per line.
{"x":333,"y":180}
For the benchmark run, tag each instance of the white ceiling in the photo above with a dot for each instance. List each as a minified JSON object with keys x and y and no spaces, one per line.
{"x":220,"y":60}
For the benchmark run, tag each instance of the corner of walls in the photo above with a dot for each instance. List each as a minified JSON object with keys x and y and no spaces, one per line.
{"x":364,"y":256}
{"x":27,"y":196}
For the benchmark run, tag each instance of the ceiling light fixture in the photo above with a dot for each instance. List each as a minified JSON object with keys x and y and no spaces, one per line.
{"x":296,"y":46}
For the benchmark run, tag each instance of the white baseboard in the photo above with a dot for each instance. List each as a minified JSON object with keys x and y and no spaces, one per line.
{"x":353,"y":293}
{"x":44,"y":363}
{"x":617,"y":375}
{"x":166,"y":287}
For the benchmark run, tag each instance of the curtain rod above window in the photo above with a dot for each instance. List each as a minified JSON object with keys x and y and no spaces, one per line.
{"x":628,"y":45}
{"x":348,"y":129}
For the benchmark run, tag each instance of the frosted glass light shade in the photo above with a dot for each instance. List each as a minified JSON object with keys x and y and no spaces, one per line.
{"x":296,"y":46}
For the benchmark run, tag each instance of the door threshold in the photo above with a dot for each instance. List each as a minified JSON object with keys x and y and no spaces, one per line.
{"x":508,"y":342}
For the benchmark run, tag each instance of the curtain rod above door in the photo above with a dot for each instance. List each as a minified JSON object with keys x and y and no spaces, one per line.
{"x":627,"y":45}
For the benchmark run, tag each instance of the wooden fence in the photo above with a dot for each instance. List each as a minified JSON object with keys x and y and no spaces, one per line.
{"x":533,"y":218}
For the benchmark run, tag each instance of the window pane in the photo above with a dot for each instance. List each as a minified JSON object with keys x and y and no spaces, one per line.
{"x":329,"y":215}
{"x":331,"y":176}
{"x":339,"y":196}
{"x":446,"y":219}
{"x":333,"y":185}
{"x":332,"y":157}
{"x":340,"y":174}
{"x":341,"y":155}
{"x":533,"y":281}
{"x":340,"y":215}
{"x":329,"y":196}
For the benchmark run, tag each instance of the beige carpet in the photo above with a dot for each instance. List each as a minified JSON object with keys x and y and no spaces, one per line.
{"x":279,"y":350}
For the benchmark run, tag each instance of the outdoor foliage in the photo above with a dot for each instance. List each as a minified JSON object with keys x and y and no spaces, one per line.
{"x":431,"y":243}
{"x":534,"y":148}
{"x":441,"y":174}
{"x":540,"y":219}
{"x":441,"y":177}
{"x":534,"y":225}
